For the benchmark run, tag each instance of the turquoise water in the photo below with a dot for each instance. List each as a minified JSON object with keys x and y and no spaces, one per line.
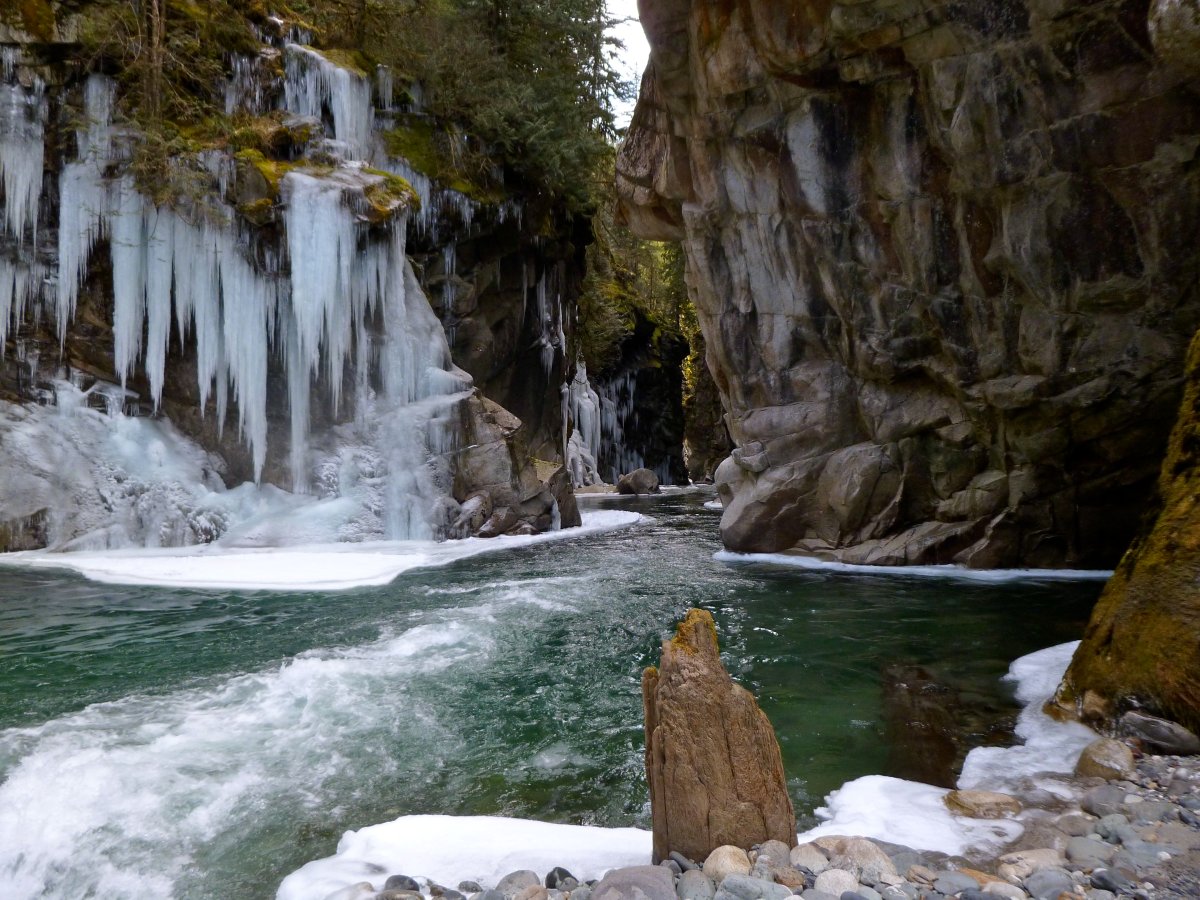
{"x":205,"y":743}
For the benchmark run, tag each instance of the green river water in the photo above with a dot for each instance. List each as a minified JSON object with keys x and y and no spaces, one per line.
{"x":205,"y":743}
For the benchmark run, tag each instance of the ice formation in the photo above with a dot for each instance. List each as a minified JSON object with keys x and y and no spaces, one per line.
{"x":581,"y":419}
{"x":22,"y":113}
{"x":313,"y":85}
{"x":337,"y":296}
{"x":619,"y":412}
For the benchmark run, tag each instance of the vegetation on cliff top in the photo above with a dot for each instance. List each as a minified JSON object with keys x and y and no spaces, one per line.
{"x":525,"y":87}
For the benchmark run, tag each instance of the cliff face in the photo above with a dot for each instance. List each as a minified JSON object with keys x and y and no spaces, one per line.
{"x":943,"y":257}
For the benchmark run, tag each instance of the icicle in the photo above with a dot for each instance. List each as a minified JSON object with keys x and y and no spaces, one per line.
{"x":313,"y":84}
{"x":128,"y":240}
{"x":83,"y":196}
{"x":22,"y":147}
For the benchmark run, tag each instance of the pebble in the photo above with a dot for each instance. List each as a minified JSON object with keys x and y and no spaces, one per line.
{"x":836,"y":882}
{"x":1048,"y":884}
{"x":954,"y":882}
{"x":402,"y":883}
{"x":725,"y":861}
{"x":693,"y":885}
{"x":809,"y":856}
{"x":513,"y":883}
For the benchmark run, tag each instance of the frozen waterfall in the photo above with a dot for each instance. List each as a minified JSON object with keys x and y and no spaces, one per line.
{"x":336,"y":298}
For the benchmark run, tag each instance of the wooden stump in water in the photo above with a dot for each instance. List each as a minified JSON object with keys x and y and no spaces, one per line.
{"x":712,"y":761}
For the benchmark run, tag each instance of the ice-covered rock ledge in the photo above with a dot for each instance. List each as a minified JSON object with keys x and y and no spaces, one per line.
{"x":882,"y":839}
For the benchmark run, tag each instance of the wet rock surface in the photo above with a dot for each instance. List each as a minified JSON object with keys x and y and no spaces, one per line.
{"x":943,"y":260}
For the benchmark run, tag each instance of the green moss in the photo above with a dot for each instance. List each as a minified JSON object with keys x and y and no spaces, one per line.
{"x":351,"y":60}
{"x":258,"y":212}
{"x":389,"y":195}
{"x":37,"y":18}
{"x":272,"y":170}
{"x":417,"y":142}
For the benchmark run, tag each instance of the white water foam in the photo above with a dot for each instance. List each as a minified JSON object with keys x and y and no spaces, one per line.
{"x":119,"y":799}
{"x":324,"y":567}
{"x":913,"y":814}
{"x":450,"y":848}
{"x":962,"y":573}
{"x":909,"y":813}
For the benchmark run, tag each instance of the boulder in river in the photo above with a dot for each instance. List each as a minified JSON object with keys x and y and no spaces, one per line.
{"x":712,"y":761}
{"x":639,"y":481}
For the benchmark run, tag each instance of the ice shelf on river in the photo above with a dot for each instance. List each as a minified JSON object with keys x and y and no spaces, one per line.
{"x":323,"y":567}
{"x":448,"y":849}
{"x":991,"y":576}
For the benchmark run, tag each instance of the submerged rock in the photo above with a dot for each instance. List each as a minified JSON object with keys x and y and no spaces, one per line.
{"x":639,"y":481}
{"x":712,"y":761}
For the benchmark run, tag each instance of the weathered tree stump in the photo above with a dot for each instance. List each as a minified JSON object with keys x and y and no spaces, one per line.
{"x":712,"y":760}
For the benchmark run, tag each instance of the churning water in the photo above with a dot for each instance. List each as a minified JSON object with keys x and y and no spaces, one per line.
{"x":203,"y":744}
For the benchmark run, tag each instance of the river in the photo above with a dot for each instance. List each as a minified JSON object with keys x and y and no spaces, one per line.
{"x":204,"y":743}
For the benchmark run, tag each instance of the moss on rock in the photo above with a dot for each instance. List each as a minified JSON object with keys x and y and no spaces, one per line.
{"x":1142,"y":645}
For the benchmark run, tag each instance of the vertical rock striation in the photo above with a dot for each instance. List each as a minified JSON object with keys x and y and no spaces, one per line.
{"x":943,"y":257}
{"x":712,"y":761}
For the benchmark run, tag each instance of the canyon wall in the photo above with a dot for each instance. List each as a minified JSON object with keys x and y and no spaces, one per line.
{"x":943,"y":257}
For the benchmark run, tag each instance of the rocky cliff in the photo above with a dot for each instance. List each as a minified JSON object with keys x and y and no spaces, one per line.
{"x":264,"y":307}
{"x":1140,"y":649}
{"x":943,"y":257}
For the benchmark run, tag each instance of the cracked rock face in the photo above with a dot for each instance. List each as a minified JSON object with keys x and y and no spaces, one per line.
{"x":943,"y":256}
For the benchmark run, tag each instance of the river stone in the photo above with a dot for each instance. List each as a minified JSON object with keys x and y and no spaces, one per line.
{"x":1075,"y":824}
{"x":725,"y":861}
{"x":789,"y":877}
{"x":862,"y":859}
{"x":684,"y":863}
{"x":402,"y":883}
{"x":1089,"y":853}
{"x":814,"y":894}
{"x":777,"y":853}
{"x":651,"y":882}
{"x":556,"y":876}
{"x":470,"y":887}
{"x":1003,"y":889}
{"x":1104,"y":800}
{"x":639,"y":481}
{"x":1018,"y":866}
{"x":1105,"y":758}
{"x":533,"y":892}
{"x":982,"y":804}
{"x":515,"y":882}
{"x":1110,"y":880}
{"x":1151,"y":811}
{"x":899,"y":892}
{"x":713,"y":764}
{"x":489,"y":894}
{"x":1161,"y":735}
{"x":397,"y":895}
{"x":836,"y":882}
{"x":952,"y":882}
{"x":694,"y":885}
{"x":583,"y":892}
{"x":1047,"y":884}
{"x":811,"y":857}
{"x":743,"y":887}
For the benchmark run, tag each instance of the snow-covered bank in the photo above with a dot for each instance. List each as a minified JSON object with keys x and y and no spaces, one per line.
{"x":905,"y":812}
{"x":992,"y":576}
{"x":448,"y":849}
{"x":325,"y":567}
